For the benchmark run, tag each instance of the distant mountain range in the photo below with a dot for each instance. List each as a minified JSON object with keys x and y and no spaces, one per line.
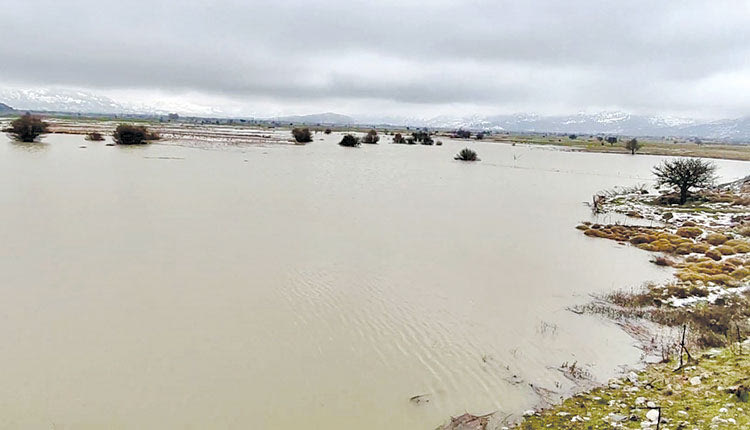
{"x":321,"y":118}
{"x":61,"y":101}
{"x":615,"y":123}
{"x":619,"y":123}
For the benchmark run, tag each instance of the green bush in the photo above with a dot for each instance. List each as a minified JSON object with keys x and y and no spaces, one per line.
{"x":27,"y":128}
{"x":127,"y":134}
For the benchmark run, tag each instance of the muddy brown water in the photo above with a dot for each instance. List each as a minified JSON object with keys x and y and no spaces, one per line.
{"x":285,"y":287}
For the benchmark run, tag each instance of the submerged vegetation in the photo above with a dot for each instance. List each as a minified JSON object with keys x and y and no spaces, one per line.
{"x":27,"y":128}
{"x":349,"y":140}
{"x":398,"y":138}
{"x":302,"y":135}
{"x":127,"y":134}
{"x":95,"y":136}
{"x":371,"y":137}
{"x":466,"y":154}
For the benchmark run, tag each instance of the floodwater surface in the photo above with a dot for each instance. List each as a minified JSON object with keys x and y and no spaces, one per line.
{"x":287,"y":287}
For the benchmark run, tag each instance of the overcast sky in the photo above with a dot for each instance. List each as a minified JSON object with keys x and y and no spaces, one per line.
{"x":394,"y":57}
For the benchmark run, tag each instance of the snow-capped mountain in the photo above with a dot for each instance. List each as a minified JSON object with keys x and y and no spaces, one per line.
{"x":76,"y":101}
{"x":321,"y":118}
{"x":61,"y":101}
{"x":620,"y":123}
{"x":608,"y":122}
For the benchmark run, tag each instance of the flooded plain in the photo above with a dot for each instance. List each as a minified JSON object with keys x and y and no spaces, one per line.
{"x":287,"y":287}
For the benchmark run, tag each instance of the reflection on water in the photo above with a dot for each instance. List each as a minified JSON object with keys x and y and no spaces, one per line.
{"x":38,"y":146}
{"x":300,"y":287}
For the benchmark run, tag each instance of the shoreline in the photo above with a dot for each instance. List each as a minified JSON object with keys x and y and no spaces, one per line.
{"x":696,"y":326}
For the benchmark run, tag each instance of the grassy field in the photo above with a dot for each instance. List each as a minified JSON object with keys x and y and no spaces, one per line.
{"x":650,"y":146}
{"x":711,"y":392}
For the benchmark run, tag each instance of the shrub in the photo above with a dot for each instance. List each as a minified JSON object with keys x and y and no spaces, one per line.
{"x":642,"y":238}
{"x":427,"y":140}
{"x":95,"y":136}
{"x":371,"y":137}
{"x":462,"y":134}
{"x":611,"y":140}
{"x":439,"y":143}
{"x":572,"y":137}
{"x":716,"y":239}
{"x":725,"y":250}
{"x":302,"y":135}
{"x":662,"y":261}
{"x":713,"y":254}
{"x":684,"y":174}
{"x":27,"y":128}
{"x":466,"y":154}
{"x":422,"y":137}
{"x":480,"y":136}
{"x":398,"y":138}
{"x":127,"y":134}
{"x":350,"y":141}
{"x":689,"y":232}
{"x":633,"y":145}
{"x":328,"y":131}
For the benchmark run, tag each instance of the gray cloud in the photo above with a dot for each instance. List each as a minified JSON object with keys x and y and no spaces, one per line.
{"x":491,"y":56}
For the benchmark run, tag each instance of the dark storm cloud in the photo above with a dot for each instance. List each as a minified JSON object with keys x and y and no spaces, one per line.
{"x":500,"y":55}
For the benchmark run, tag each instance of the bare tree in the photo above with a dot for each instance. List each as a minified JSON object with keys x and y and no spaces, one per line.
{"x":633,"y":145}
{"x":684,"y":174}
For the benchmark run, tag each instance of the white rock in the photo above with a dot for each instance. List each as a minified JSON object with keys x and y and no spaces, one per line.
{"x":695,"y":380}
{"x":640,"y":401}
{"x":652,"y":415}
{"x":683,"y":413}
{"x":732,"y":421}
{"x":633,"y":378}
{"x":563,"y":414}
{"x":576,"y":419}
{"x":723,"y":411}
{"x":651,"y":404}
{"x":529,"y":413}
